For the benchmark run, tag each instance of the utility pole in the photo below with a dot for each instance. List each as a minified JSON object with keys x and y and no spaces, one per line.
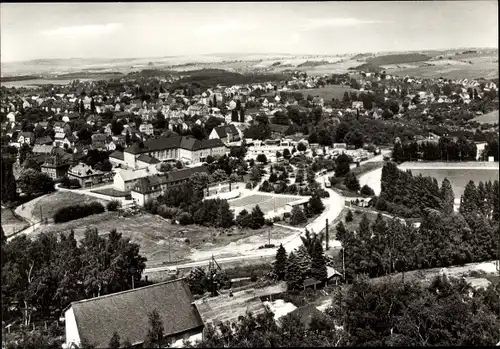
{"x":41,"y":214}
{"x":326,"y":235}
{"x":169,"y":254}
{"x":133,"y":282}
{"x":343,"y":262}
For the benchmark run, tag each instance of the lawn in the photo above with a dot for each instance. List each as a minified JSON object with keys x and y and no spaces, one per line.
{"x":328,"y":92}
{"x":488,"y":118}
{"x":48,"y":206}
{"x":186,"y":243}
{"x":12,"y":223}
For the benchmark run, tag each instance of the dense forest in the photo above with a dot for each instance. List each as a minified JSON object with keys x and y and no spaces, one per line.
{"x":408,"y":196}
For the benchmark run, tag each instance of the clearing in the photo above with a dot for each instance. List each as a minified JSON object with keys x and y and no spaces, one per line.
{"x":47,"y":206}
{"x":488,"y":118}
{"x":11,"y":222}
{"x":187,"y":243}
{"x":328,"y":92}
{"x":267,"y":203}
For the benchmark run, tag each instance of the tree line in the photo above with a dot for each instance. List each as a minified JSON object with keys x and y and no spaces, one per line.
{"x":41,"y":276}
{"x":446,"y":149}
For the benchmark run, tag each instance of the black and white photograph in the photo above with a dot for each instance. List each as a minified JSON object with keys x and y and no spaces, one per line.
{"x":249,"y":174}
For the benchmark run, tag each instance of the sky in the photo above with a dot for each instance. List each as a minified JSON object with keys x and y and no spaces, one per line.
{"x":134,"y":30}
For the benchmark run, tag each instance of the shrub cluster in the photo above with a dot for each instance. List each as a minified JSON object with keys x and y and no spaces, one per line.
{"x":69,"y":213}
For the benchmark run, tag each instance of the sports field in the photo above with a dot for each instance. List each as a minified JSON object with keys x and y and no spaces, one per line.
{"x":267,"y":203}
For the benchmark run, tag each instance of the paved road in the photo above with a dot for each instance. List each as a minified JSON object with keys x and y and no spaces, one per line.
{"x":334,"y":205}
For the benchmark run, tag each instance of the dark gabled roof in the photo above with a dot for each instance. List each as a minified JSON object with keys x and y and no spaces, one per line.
{"x":155,"y":144}
{"x":194,"y":144}
{"x":148,"y":159}
{"x":117,"y":155}
{"x":27,"y":134}
{"x":307,"y":313}
{"x":175,"y":142}
{"x":43,"y":140}
{"x":145,"y":185}
{"x":223,"y":131}
{"x":127,"y":313}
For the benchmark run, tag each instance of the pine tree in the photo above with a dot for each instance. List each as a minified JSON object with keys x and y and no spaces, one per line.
{"x":495,"y":201}
{"x":297,"y":216}
{"x":318,"y":263}
{"x":482,"y":196}
{"x":303,"y":260}
{"x":92,"y":105}
{"x":155,"y":331}
{"x":242,"y":115}
{"x":315,"y":205}
{"x":469,"y":202}
{"x":280,"y":263}
{"x":447,"y":196}
{"x":257,"y":218}
{"x":82,"y":107}
{"x":351,"y":182}
{"x":341,"y":231}
{"x":349,"y":216}
{"x":293,"y":274}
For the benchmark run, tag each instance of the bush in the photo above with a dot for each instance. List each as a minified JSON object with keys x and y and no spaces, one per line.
{"x":69,"y":213}
{"x":185,"y":218}
{"x":269,"y":222}
{"x":113,"y":205}
{"x":366,"y":190}
{"x":276,"y":219}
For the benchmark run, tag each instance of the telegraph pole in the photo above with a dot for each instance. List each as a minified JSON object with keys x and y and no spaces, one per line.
{"x":169,"y":254}
{"x":343,"y":262}
{"x":327,"y":236}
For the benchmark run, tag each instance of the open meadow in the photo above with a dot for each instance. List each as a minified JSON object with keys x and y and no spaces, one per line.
{"x":328,"y":92}
{"x":186,"y":242}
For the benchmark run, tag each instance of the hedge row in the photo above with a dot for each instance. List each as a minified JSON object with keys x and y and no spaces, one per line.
{"x":69,"y":213}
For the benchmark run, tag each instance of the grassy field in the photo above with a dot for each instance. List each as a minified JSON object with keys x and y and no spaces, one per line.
{"x":489,"y":118}
{"x":458,"y":178}
{"x":266,"y":203}
{"x":49,"y":205}
{"x":12,"y":223}
{"x":487,"y":70}
{"x":152,"y":234}
{"x":327,"y":92}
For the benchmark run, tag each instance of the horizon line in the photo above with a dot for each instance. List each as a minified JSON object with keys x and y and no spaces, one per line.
{"x":247,"y":53}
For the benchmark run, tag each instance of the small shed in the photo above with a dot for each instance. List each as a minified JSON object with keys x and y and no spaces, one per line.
{"x":311,"y":282}
{"x":333,"y":276}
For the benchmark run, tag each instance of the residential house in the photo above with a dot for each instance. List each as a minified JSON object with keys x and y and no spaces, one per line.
{"x":126,"y":313}
{"x":11,"y":117}
{"x":26,"y":138}
{"x":86,"y":175}
{"x":227,"y":134}
{"x":64,"y":141}
{"x":42,"y":148}
{"x":59,"y":127}
{"x":147,"y":129}
{"x":277,"y":131}
{"x":126,"y":178}
{"x":56,"y":166}
{"x":99,"y":141}
{"x":197,"y":109}
{"x":151,"y":187}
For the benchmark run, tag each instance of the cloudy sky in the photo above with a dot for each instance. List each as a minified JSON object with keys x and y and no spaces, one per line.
{"x":127,"y":30}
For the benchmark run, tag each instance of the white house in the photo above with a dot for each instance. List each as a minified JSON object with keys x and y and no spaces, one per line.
{"x":125,"y":179}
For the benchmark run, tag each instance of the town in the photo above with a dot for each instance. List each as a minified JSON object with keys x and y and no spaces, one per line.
{"x":214,"y":208}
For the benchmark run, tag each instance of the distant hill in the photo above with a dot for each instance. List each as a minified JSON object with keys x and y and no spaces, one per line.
{"x":398,"y":59}
{"x":150,"y":73}
{"x":19,"y":78}
{"x":210,"y":77}
{"x":312,"y":64}
{"x":367,"y":67}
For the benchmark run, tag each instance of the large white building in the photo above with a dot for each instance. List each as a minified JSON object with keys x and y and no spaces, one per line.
{"x":186,"y":149}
